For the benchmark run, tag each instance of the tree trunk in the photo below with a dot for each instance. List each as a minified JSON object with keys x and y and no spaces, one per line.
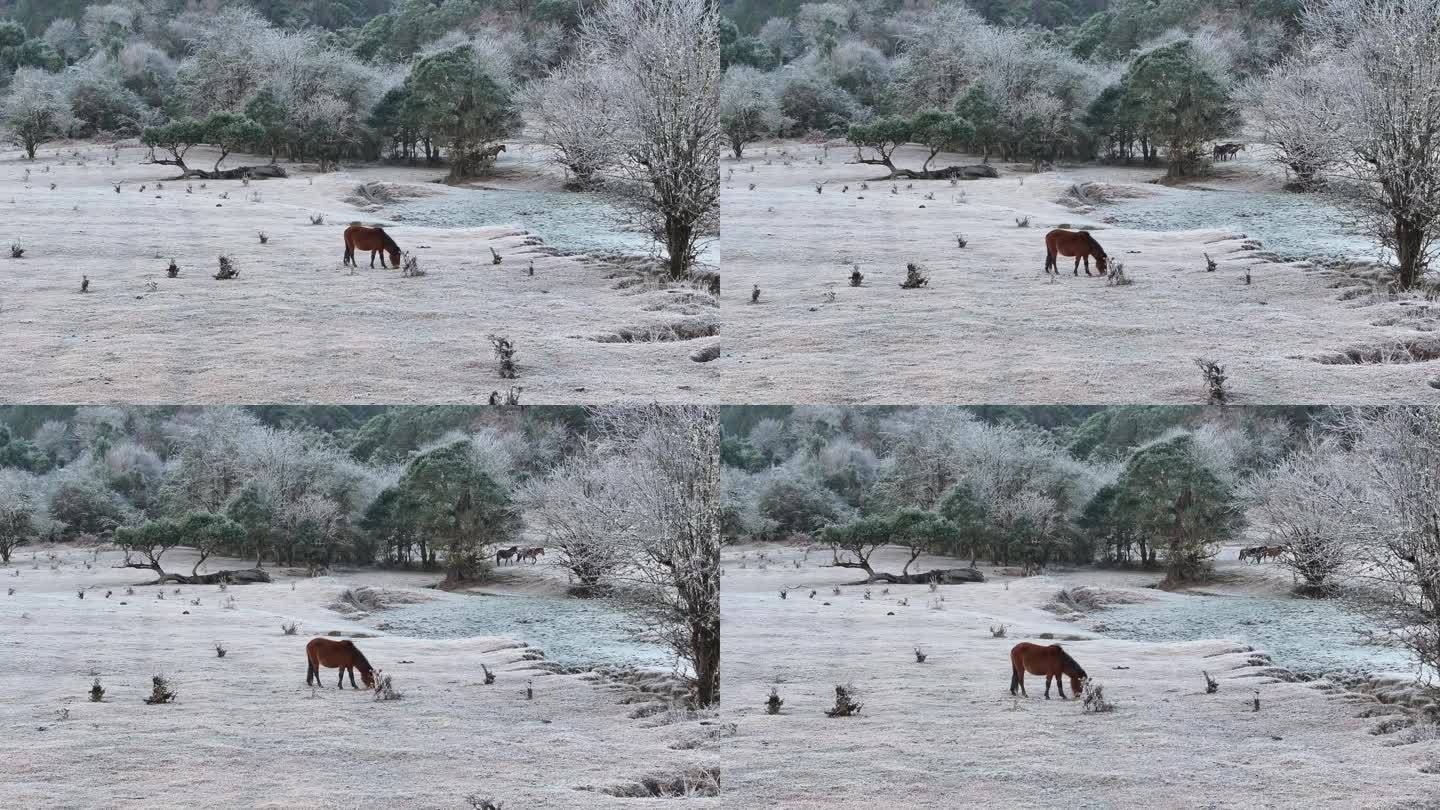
{"x":678,"y":233}
{"x":1409,"y":251}
{"x":705,"y":643}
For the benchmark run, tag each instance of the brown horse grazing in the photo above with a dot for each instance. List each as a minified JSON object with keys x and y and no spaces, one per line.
{"x":1051,"y":661}
{"x":1079,"y":244}
{"x":326,"y":652}
{"x":374,"y":240}
{"x":532,"y":554}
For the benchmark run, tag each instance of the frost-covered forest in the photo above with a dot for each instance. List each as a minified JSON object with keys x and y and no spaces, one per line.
{"x":622,"y":499}
{"x":1340,"y":498}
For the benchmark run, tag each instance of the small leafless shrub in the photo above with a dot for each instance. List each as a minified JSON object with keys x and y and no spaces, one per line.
{"x":529,"y":690}
{"x":856,"y":277}
{"x":264,"y":238}
{"x":920,"y":656}
{"x":129,"y":591}
{"x":410,"y":266}
{"x":835,"y":591}
{"x":1215,"y":378}
{"x":1211,"y":685}
{"x":489,"y":676}
{"x":1255,"y":701}
{"x":478,"y":803}
{"x":845,"y":705}
{"x":1022,"y":222}
{"x":97,"y":692}
{"x":505,"y":354}
{"x":774,"y":702}
{"x":229,"y":603}
{"x":16,"y":251}
{"x":1093,"y":698}
{"x":755,"y":295}
{"x":1117,"y":277}
{"x":385,"y":689}
{"x":1209,"y":263}
{"x":220,"y":650}
{"x":160,"y":691}
{"x":784,"y":595}
{"x":317,"y":219}
{"x":998,"y":632}
{"x":291,"y":628}
{"x":173,"y":271}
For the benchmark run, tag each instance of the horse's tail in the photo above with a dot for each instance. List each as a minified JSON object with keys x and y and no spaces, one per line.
{"x":349,"y":245}
{"x":1015,"y":666}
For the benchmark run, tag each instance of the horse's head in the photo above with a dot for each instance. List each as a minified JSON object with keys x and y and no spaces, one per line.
{"x":1077,"y":676}
{"x":368,"y":676}
{"x":1102,"y":263}
{"x":394,"y":256}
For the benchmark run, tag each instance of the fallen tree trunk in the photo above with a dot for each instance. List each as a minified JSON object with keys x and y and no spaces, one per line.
{"x":944,"y":576}
{"x":241,"y":172}
{"x":974,"y":172}
{"x":237,"y":577}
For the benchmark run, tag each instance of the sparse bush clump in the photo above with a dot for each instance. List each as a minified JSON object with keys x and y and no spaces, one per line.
{"x":845,"y":705}
{"x":1093,"y":698}
{"x":920,"y":656}
{"x":1117,"y":277}
{"x":1215,"y":379}
{"x":1211,"y":685}
{"x":160,"y":691}
{"x":97,"y":692}
{"x":410,"y":266}
{"x":291,"y":628}
{"x":915,"y":277}
{"x":998,"y":632}
{"x":228,"y":270}
{"x":385,"y":689}
{"x":505,"y":354}
{"x":220,"y":650}
{"x":16,"y":251}
{"x":173,"y":271}
{"x":774,"y":702}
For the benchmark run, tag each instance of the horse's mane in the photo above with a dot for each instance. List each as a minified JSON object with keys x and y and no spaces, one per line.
{"x":364,"y":662}
{"x":1091,"y":239}
{"x":1066,"y":659}
{"x":389,"y":243}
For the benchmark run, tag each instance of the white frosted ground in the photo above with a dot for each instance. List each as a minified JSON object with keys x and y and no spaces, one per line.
{"x":947,"y":733}
{"x":296,"y":326}
{"x":990,"y":327}
{"x":247,"y":732}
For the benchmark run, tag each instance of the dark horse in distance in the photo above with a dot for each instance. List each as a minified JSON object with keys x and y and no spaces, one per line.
{"x":374,"y":240}
{"x":1051,"y":661}
{"x":1079,"y":244}
{"x":326,"y":652}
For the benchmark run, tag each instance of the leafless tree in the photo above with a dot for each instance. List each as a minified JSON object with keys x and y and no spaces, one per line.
{"x":670,"y":489}
{"x":664,"y":56}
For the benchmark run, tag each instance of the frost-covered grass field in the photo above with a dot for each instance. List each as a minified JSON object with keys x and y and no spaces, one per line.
{"x":246,"y":731}
{"x":990,"y":326}
{"x":947,"y":733}
{"x":297,"y":326}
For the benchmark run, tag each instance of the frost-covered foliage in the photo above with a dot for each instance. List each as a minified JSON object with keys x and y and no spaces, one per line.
{"x":660,"y":467}
{"x":36,"y":109}
{"x":661,"y":133}
{"x":1030,"y":488}
{"x":749,"y":107}
{"x":1373,"y":71}
{"x":294,"y":495}
{"x":1305,"y":504}
{"x":1396,"y":530}
{"x":574,"y":112}
{"x":1290,"y":108}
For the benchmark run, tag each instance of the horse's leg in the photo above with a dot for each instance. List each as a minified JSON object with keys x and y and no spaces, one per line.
{"x":1077,"y":267}
{"x":353,"y":685}
{"x":372,"y":260}
{"x":1060,"y":684}
{"x":1047,"y":686}
{"x":341,"y":684}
